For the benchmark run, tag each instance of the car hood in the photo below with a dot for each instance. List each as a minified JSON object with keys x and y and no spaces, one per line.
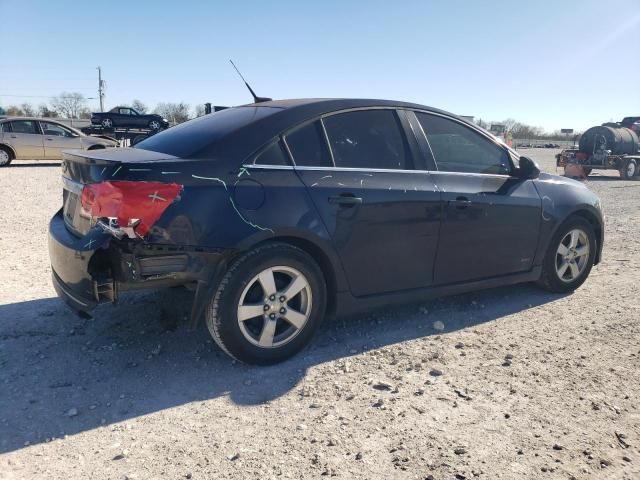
{"x":88,"y":141}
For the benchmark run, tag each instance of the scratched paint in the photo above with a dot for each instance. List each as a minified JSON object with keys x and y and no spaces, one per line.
{"x":233,"y":204}
{"x":117,"y":170}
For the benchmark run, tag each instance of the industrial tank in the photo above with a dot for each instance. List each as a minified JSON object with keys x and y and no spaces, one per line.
{"x":620,"y":140}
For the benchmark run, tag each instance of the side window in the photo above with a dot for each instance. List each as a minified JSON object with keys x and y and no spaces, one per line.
{"x":125,"y":111}
{"x":54,"y":129}
{"x":272,"y":155}
{"x":368,"y":139}
{"x":24,"y":126}
{"x":457,"y":148}
{"x":308,"y":147}
{"x":5,"y":127}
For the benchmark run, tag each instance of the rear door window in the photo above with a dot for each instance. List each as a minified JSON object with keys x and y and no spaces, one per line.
{"x":25,"y":126}
{"x":369,"y":139}
{"x":308,"y":146}
{"x":5,"y":127}
{"x":458,"y":148}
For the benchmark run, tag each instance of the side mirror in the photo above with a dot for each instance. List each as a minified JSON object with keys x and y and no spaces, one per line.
{"x":528,"y":169}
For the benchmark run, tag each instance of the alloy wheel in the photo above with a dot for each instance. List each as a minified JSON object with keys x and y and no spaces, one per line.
{"x":4,"y":157}
{"x":107,"y":123}
{"x":154,"y":125}
{"x":274,"y":307}
{"x":631,"y":169}
{"x":572,"y":255}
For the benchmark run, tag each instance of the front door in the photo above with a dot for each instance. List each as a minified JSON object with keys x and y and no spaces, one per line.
{"x":491,"y":219}
{"x":383,"y":215}
{"x":58,"y":138}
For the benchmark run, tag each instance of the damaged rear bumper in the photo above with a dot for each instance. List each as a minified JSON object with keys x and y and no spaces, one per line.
{"x":93,"y":269}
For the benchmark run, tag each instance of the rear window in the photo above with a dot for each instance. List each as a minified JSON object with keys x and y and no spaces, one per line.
{"x":308,"y":147}
{"x":191,"y":137}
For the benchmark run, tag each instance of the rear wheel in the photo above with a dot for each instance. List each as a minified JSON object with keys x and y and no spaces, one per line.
{"x":629,"y":169}
{"x":569,"y":257}
{"x":107,"y":123}
{"x":6,"y":156}
{"x":586,"y":171}
{"x":268,"y":305}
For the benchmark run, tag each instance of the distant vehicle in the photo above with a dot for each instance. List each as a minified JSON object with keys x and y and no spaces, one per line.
{"x":281,"y":211}
{"x":42,"y":139}
{"x":127,"y":117}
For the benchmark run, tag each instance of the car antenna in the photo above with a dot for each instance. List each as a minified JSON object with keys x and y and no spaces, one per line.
{"x":256,"y":98}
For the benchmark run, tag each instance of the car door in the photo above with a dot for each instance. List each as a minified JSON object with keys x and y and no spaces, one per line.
{"x":58,"y":138}
{"x":383,"y":215}
{"x":491,"y":217}
{"x":25,"y":138}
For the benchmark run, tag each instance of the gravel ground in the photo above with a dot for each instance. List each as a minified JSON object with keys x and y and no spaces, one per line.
{"x":508,"y":383}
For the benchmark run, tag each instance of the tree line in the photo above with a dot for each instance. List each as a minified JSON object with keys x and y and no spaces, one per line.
{"x":73,"y":105}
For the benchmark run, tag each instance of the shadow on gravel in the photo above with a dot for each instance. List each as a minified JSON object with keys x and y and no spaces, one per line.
{"x":15,"y":164}
{"x":61,"y":375}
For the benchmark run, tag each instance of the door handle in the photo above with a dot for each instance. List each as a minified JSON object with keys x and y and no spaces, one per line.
{"x":461,"y":202}
{"x":50,"y":139}
{"x":13,"y":136}
{"x":345,"y":199}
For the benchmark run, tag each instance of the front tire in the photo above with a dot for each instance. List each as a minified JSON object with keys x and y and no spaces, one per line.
{"x":107,"y":123}
{"x":154,"y":125}
{"x":569,"y":257}
{"x":268,"y":305}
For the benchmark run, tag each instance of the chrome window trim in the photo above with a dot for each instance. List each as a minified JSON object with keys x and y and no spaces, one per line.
{"x":327,"y":142}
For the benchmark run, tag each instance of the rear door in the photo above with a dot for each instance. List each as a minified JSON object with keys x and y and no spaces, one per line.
{"x":25,"y":137}
{"x":58,"y":138}
{"x":491,"y":218}
{"x":382,"y":213}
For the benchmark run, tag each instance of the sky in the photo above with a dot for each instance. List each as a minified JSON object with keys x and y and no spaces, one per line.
{"x":553,"y":64}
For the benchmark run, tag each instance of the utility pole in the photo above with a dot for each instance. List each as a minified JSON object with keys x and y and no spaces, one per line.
{"x":101,"y":89}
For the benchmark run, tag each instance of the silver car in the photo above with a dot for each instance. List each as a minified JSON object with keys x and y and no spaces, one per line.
{"x":31,"y":138}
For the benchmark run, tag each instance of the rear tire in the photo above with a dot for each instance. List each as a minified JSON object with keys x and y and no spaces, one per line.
{"x":6,"y":156}
{"x":107,"y":123}
{"x":268,"y":305}
{"x":586,"y":171}
{"x":569,"y":257}
{"x":629,"y":169}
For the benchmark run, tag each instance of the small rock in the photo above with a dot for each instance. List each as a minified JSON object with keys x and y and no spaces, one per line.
{"x":626,"y":459}
{"x":604,"y":463}
{"x":506,"y":363}
{"x":459,"y":345}
{"x":72,"y":412}
{"x":382,"y":386}
{"x":434,"y":372}
{"x":558,"y":447}
{"x":119,"y":456}
{"x":188,"y":475}
{"x":379,"y":404}
{"x":302,"y":426}
{"x":460,"y":451}
{"x":234,"y":457}
{"x":508,"y":356}
{"x":359,"y":456}
{"x":332,"y":443}
{"x":507,"y":416}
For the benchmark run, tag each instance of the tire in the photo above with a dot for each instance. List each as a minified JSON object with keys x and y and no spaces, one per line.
{"x":266,"y":336}
{"x":586,"y":171}
{"x":6,"y":156}
{"x":629,"y":169}
{"x":107,"y":123}
{"x":553,"y":265}
{"x":154,"y":125}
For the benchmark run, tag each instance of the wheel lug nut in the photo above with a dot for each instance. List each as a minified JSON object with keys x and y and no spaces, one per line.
{"x":282,"y":298}
{"x":272,"y":316}
{"x":272,"y":297}
{"x":283,"y":310}
{"x":266,"y":307}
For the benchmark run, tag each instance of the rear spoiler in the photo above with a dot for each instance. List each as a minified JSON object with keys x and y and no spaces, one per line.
{"x":116,"y":155}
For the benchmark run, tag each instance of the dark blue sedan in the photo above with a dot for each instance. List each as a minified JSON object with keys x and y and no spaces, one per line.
{"x":280,"y":213}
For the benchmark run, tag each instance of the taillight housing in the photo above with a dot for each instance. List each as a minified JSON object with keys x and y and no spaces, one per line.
{"x":126,"y":204}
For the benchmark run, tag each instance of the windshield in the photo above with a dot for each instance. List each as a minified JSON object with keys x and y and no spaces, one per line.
{"x":189,"y":138}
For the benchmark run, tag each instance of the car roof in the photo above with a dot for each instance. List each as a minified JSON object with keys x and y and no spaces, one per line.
{"x":41,"y":119}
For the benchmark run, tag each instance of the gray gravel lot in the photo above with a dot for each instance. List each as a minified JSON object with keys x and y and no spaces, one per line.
{"x":507,"y":383}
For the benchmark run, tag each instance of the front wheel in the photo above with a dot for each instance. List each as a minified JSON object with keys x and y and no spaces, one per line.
{"x":6,"y":156}
{"x":154,"y":125}
{"x":107,"y":123}
{"x":569,"y":257}
{"x":268,"y":305}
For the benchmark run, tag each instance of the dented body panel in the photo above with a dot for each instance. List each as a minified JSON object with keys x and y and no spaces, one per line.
{"x":408,"y":236}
